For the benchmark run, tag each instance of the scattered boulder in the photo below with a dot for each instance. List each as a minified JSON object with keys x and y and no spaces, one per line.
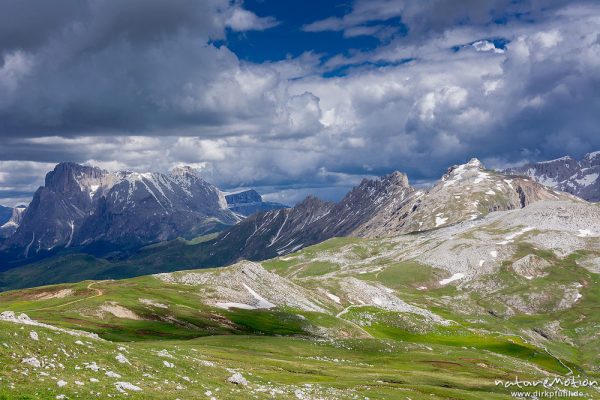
{"x":122,"y":359}
{"x":237,"y":379}
{"x":34,"y":362}
{"x":125,"y":386}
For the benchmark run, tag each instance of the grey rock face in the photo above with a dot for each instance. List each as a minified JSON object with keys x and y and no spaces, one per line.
{"x":578,"y":177}
{"x":283,"y":231}
{"x":151,"y":207}
{"x":80,"y":205}
{"x":465,"y":192}
{"x":381,"y":208}
{"x":250,"y":202}
{"x":10,"y":227}
{"x":58,"y":208}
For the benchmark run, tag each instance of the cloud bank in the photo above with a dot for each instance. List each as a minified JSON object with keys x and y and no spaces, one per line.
{"x":148,"y":85}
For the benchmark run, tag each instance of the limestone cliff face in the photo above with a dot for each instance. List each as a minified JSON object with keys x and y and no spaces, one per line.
{"x":80,"y":205}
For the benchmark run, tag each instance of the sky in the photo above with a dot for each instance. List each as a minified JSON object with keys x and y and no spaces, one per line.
{"x":294,"y":97}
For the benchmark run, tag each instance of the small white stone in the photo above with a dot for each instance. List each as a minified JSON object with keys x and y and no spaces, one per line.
{"x":34,"y":362}
{"x":122,"y":359}
{"x":124,"y":386}
{"x":111,"y":374}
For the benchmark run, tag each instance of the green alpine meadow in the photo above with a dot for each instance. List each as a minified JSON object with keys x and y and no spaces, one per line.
{"x":299,"y":200}
{"x":349,"y":318}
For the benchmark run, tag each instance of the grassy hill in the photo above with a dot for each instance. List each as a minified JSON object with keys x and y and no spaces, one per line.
{"x":435,"y":315}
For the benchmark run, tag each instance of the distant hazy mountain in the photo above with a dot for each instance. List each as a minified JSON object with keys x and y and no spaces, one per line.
{"x":81,"y":205}
{"x":5,"y":214}
{"x":250,"y":202}
{"x":10,"y":227}
{"x":578,"y":177}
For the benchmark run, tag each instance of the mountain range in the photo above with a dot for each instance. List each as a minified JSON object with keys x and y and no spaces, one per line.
{"x":437,"y":293}
{"x":87,"y":206}
{"x":92,"y":213}
{"x":578,"y":177}
{"x":382,"y":207}
{"x":392,"y":292}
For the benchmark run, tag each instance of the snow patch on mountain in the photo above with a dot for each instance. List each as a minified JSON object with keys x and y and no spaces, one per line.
{"x":453,"y":278}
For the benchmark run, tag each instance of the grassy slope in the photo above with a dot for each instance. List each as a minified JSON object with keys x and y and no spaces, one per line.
{"x":71,"y":266}
{"x":405,"y":359}
{"x":377,"y":369}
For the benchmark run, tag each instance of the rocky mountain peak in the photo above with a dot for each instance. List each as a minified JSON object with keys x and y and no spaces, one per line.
{"x":593,"y":157}
{"x":81,"y":205}
{"x":312,"y":202}
{"x":465,"y":192}
{"x":247,"y":196}
{"x":397,"y":178}
{"x":386,"y":184}
{"x":69,"y":177}
{"x":250,"y":202}
{"x":17,"y":216}
{"x":475,"y":163}
{"x":578,"y":177}
{"x":473,"y":169}
{"x":185,"y":171}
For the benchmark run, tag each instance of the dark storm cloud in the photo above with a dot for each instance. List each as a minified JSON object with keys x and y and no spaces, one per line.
{"x":93,"y":24}
{"x":27,"y":25}
{"x":139,"y":85}
{"x":107,"y":67}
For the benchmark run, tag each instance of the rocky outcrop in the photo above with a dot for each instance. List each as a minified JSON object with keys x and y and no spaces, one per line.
{"x":248,"y":285}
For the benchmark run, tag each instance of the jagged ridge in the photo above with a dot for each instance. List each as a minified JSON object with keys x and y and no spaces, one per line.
{"x":578,"y":177}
